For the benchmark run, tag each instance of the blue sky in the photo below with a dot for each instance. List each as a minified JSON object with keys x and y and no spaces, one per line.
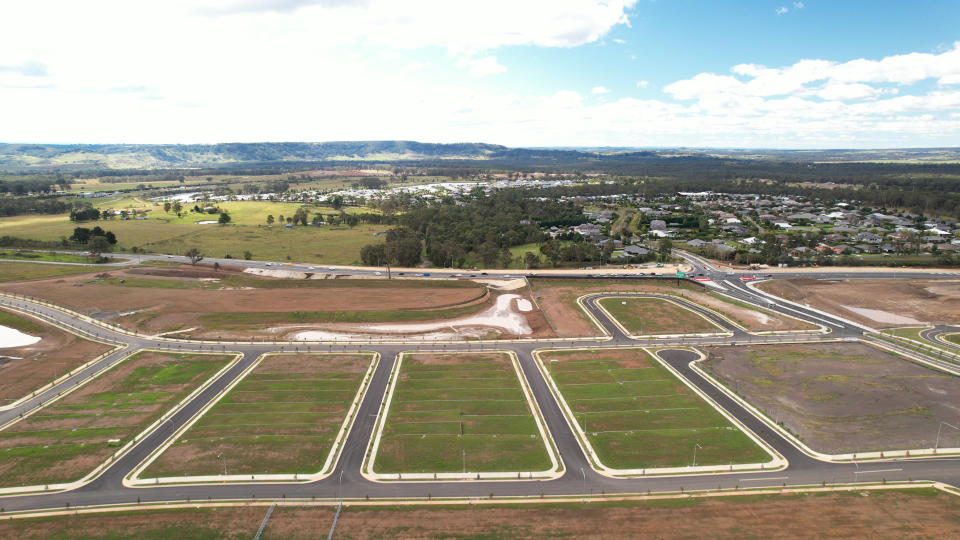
{"x":816,"y":74}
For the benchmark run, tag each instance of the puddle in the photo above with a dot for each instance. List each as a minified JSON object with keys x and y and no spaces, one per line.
{"x":11,"y":337}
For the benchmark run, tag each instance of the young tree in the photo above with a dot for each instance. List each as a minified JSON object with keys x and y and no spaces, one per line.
{"x":270,"y":219}
{"x":167,"y":206}
{"x":194,"y":255}
{"x":247,"y":255}
{"x":98,"y":245}
{"x":177,"y":207}
{"x":224,"y":218}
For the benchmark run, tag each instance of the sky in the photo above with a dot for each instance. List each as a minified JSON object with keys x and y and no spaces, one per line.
{"x":622,"y":73}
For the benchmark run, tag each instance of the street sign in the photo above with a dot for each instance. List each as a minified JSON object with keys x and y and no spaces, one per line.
{"x":681,"y":275}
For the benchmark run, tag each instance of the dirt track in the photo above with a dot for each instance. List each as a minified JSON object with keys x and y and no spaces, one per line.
{"x":924,"y":300}
{"x":842,"y":397}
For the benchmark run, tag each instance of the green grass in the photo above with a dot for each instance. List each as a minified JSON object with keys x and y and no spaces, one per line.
{"x":67,"y":439}
{"x":953,"y":338}
{"x":166,"y":233}
{"x":15,"y":271}
{"x":478,"y":395}
{"x":48,"y":256}
{"x":23,"y":324}
{"x":636,"y":414}
{"x":651,"y":316}
{"x":273,"y":422}
{"x":909,"y":333}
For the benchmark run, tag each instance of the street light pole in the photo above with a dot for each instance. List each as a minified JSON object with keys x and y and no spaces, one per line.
{"x":223,"y":459}
{"x":695,"y":446}
{"x":940,"y":427}
{"x":584,"y":474}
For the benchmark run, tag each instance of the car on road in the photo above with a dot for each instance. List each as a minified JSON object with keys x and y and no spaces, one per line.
{"x":269,"y":264}
{"x":378,"y":273}
{"x":331,"y":268}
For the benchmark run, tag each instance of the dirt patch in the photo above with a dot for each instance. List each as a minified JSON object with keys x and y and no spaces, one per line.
{"x":441,"y":359}
{"x":927,"y":300}
{"x":843,"y":397}
{"x":26,"y":368}
{"x":558,"y":301}
{"x":181,"y":304}
{"x":624,"y":358}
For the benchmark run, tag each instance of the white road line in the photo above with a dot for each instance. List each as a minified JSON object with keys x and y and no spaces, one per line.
{"x":764,"y":478}
{"x":877,"y":470}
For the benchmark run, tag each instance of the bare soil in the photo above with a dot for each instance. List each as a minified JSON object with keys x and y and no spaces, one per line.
{"x":156,"y":309}
{"x":929,"y":300}
{"x":843,"y":397}
{"x":860,"y":514}
{"x":24,"y":369}
{"x":558,"y":301}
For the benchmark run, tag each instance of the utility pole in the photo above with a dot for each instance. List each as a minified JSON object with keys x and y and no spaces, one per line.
{"x":223,"y":458}
{"x":695,"y":453}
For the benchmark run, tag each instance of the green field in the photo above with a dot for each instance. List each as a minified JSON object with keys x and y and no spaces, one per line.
{"x":652,"y":316}
{"x":70,"y":437}
{"x":15,"y":271}
{"x":638,"y":415}
{"x":953,"y":338}
{"x":48,"y":256}
{"x":282,"y":418}
{"x":166,"y":233}
{"x":459,"y":412}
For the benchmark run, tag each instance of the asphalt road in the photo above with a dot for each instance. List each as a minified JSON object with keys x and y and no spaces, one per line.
{"x":346,"y":480}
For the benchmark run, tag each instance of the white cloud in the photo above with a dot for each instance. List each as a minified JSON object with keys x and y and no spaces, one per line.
{"x":782,"y":9}
{"x":953,"y":78}
{"x":798,"y":5}
{"x":481,"y":67}
{"x":643,"y":84}
{"x":597,"y":90}
{"x":619,"y":41}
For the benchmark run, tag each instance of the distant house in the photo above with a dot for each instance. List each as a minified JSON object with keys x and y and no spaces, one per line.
{"x":867,"y":237}
{"x":658,"y":225}
{"x":635,"y":251}
{"x":696,"y":243}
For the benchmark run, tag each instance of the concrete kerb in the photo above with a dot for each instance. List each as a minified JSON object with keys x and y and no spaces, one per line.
{"x":92,"y":475}
{"x":822,"y":328}
{"x":555,"y":471}
{"x":666,"y":298}
{"x":133,"y":479}
{"x":752,"y":285}
{"x":877,"y":456}
{"x":182,"y":504}
{"x":80,"y":384}
{"x":117,"y":347}
{"x":777,"y":462}
{"x":924,"y":344}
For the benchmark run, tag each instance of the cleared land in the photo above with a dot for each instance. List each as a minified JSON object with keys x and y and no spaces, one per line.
{"x":47,"y":256}
{"x":283,"y":417}
{"x":69,"y":438}
{"x":880,"y":303}
{"x":920,"y":513}
{"x":636,"y":414}
{"x":557,"y":299}
{"x":24,"y":369}
{"x":229,"y":303}
{"x":456,"y":412}
{"x":652,"y":316}
{"x":842,"y":397}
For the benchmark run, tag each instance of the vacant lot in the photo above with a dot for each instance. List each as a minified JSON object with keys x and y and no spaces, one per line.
{"x":558,"y":300}
{"x":843,"y":397}
{"x":218,"y":303}
{"x":921,"y":513}
{"x":456,"y":412}
{"x":880,"y":303}
{"x":24,"y":369}
{"x":283,"y":417}
{"x":69,"y":438}
{"x":653,"y":316}
{"x":638,"y":415}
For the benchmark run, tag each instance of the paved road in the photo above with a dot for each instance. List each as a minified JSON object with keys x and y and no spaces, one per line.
{"x":346,"y":480}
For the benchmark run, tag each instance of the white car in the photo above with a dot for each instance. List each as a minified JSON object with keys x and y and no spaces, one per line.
{"x":378,"y":273}
{"x":269,"y":264}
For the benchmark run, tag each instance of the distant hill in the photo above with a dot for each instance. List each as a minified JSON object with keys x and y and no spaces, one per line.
{"x":290,"y":155}
{"x":167,"y":156}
